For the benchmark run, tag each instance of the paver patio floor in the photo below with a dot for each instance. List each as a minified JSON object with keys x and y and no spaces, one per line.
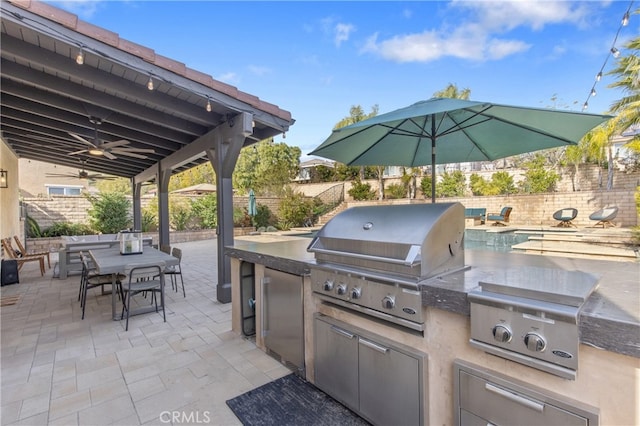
{"x":60,"y":370}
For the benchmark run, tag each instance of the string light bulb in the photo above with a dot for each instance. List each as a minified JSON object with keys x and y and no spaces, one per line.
{"x":593,"y":92}
{"x":615,"y":52}
{"x":80,"y":57}
{"x":625,"y":19}
{"x":208,"y":107}
{"x":150,"y":83}
{"x":599,"y":76}
{"x":585,"y":106}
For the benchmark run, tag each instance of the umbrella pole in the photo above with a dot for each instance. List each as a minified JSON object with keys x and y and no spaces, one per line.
{"x":433,"y":159}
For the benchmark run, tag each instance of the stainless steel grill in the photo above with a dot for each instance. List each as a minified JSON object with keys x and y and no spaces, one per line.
{"x":371,"y":259}
{"x":530,"y":315}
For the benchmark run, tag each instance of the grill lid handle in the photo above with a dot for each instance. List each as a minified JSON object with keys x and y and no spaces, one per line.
{"x":413,"y":256}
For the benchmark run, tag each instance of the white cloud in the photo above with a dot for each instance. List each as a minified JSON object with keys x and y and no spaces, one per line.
{"x":483,"y":36}
{"x":259,"y":70}
{"x":229,"y":78}
{"x":465,"y":43}
{"x":342,"y":33}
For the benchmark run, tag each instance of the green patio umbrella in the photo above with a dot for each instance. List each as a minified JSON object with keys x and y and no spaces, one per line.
{"x":252,"y":209}
{"x":443,"y":130}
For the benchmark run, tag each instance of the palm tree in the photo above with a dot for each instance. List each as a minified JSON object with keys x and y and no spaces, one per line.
{"x":627,"y":71}
{"x":452,"y":91}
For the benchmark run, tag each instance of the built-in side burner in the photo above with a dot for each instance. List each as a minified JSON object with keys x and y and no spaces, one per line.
{"x":530,"y":315}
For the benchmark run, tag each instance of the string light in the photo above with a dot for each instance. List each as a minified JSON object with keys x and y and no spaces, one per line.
{"x":208,"y":107}
{"x":612,"y":52}
{"x":150,"y":83}
{"x":80,"y":57}
{"x":625,"y":19}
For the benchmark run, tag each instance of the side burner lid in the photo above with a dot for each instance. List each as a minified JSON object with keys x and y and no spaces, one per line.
{"x":554,"y":285}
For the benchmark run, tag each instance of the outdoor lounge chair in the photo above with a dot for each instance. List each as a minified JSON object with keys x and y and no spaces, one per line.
{"x":604,"y":216}
{"x":24,"y":252}
{"x":565,"y":217}
{"x":11,"y":253}
{"x":502,"y":218}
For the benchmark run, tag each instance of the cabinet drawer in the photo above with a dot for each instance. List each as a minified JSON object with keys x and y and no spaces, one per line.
{"x":503,"y":406}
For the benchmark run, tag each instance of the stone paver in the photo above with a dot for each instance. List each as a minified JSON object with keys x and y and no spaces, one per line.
{"x":60,"y":370}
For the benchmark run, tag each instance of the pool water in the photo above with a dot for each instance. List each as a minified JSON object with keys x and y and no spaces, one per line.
{"x":492,"y":241}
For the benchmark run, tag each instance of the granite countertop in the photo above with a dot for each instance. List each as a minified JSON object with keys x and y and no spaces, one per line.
{"x":609,"y":319}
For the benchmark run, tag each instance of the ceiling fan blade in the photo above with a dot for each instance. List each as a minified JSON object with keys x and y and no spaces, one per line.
{"x":146,"y":150}
{"x":59,"y":175}
{"x":83,"y":140}
{"x":131,"y":154}
{"x":115,"y":143}
{"x":78,"y":152}
{"x":109,"y":155}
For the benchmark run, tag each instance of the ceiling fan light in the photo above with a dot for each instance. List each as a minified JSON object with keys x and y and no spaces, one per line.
{"x":95,"y":151}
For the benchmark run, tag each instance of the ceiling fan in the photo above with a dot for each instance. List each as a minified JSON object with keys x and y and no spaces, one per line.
{"x":82,"y":174}
{"x":108,"y":149}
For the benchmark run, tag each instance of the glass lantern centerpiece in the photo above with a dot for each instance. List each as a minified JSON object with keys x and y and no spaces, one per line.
{"x":131,"y":242}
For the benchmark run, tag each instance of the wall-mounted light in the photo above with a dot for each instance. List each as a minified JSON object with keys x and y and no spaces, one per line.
{"x":80,"y":57}
{"x":4,"y":178}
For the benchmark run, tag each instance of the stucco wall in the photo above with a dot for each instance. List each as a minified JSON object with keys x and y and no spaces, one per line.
{"x":10,"y":223}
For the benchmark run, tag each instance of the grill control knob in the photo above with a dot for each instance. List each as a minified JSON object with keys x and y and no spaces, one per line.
{"x":388,"y":302}
{"x":502,"y":333}
{"x":535,"y":342}
{"x":328,"y":285}
{"x":341,"y":289}
{"x":356,"y":292}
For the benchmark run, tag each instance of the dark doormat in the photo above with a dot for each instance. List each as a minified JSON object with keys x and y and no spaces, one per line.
{"x":290,"y":400}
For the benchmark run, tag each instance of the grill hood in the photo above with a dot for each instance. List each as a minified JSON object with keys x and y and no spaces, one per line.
{"x":412,"y":240}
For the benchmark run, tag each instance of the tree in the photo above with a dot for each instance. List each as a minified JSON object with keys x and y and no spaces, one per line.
{"x":356,"y":114}
{"x":627,"y":71}
{"x":452,"y":92}
{"x":202,"y":173}
{"x":266,"y":167}
{"x":120,"y":185}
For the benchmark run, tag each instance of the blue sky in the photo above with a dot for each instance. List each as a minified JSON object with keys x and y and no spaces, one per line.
{"x":317,"y":59}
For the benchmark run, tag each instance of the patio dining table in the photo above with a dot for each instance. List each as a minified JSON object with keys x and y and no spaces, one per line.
{"x":110,"y":261}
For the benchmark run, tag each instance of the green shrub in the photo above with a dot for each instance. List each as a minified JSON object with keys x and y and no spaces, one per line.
{"x":109,"y":212}
{"x":33,"y":229}
{"x":452,"y":185}
{"x":395,"y":191}
{"x":241,"y":217}
{"x":361,"y":191}
{"x":295,"y":210}
{"x":425,"y":186}
{"x":149,"y":221}
{"x":205,"y":209}
{"x":264,"y":217}
{"x":59,"y":229}
{"x":537,"y":178}
{"x":180,"y":212}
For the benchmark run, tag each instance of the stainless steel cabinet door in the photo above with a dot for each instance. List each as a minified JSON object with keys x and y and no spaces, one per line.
{"x":283,"y":326}
{"x":336,"y":363}
{"x":390,"y":389}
